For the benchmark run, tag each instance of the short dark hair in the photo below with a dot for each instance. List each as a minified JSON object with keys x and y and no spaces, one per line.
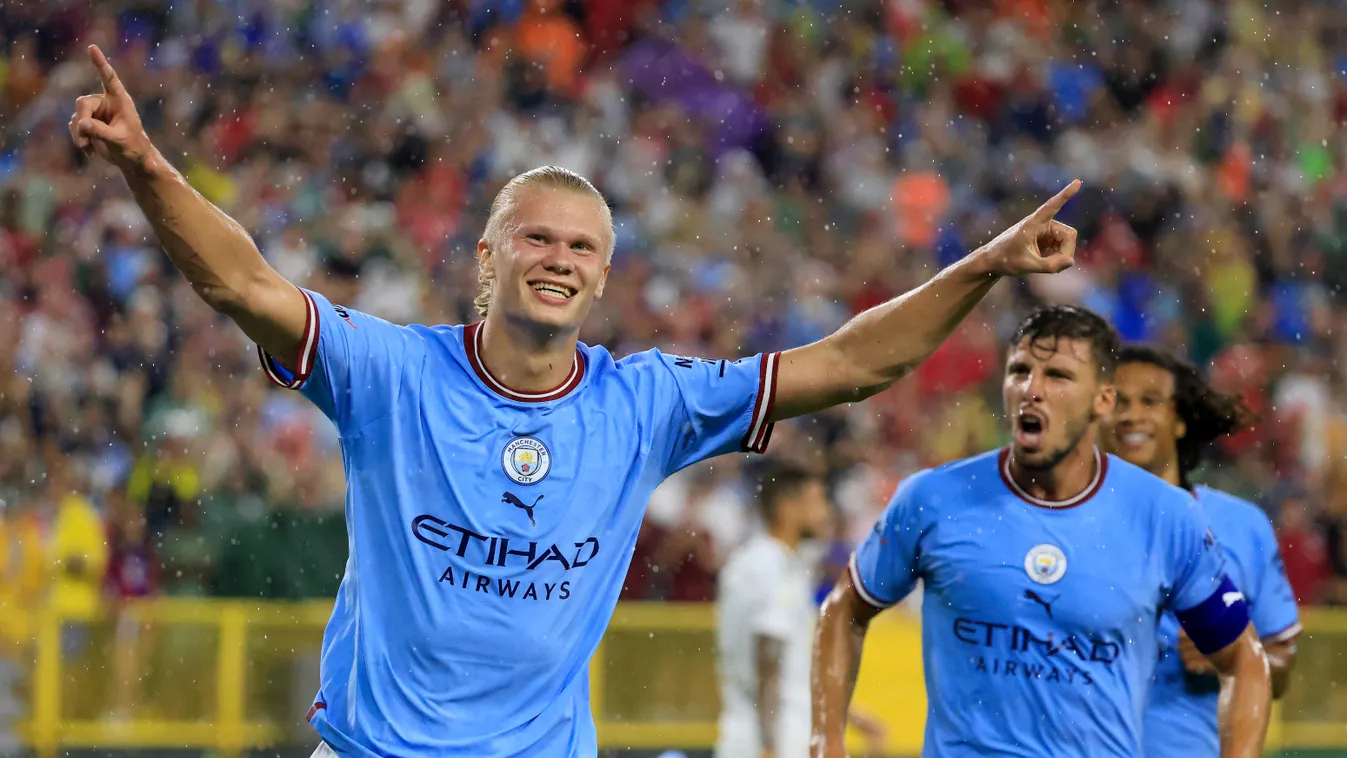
{"x":1207,"y":413}
{"x":1057,"y":322}
{"x":779,"y":480}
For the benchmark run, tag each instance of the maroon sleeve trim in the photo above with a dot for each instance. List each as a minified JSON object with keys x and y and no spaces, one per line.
{"x":856,"y":582}
{"x":308,"y":351}
{"x":760,"y":429}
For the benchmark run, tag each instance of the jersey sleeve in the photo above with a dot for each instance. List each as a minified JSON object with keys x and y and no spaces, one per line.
{"x":351,"y":365}
{"x":884,"y":569}
{"x":1273,"y":608}
{"x":704,"y":408}
{"x":1195,"y":564}
{"x":1210,"y":608}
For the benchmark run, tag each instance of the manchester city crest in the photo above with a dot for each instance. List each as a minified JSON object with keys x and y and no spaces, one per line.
{"x":526,"y":460}
{"x":1045,"y":564}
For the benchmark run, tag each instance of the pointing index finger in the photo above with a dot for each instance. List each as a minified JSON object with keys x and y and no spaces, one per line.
{"x":111,"y":84}
{"x":1049,"y":209}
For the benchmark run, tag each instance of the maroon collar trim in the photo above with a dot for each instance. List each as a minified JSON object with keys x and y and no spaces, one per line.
{"x":1100,"y":472}
{"x":472,"y":344}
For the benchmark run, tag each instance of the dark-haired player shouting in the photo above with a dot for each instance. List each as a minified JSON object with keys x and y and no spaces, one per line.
{"x":1165,"y":419}
{"x":1046,"y":569}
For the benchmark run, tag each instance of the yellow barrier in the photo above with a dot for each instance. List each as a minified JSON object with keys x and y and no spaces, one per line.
{"x":234,"y":675}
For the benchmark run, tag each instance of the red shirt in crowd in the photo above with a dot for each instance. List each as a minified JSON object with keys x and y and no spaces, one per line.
{"x":1305,"y":554}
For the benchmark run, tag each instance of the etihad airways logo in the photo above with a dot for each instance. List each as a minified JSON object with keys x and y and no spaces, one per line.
{"x":1012,"y":650}
{"x":491,"y":551}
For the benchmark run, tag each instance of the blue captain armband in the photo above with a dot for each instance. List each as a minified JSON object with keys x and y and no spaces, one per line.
{"x":1217,"y":621}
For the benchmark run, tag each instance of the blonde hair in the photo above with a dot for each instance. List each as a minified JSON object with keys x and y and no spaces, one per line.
{"x":498,"y":224}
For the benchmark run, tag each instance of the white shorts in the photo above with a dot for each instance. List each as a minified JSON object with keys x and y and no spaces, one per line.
{"x":324,"y":751}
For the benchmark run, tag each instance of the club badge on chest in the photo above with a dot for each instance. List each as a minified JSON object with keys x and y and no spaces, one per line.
{"x":526,"y":460}
{"x":1045,"y":564}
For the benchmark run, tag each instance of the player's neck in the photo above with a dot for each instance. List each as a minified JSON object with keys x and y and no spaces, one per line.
{"x":524,"y":359}
{"x":1072,"y":475}
{"x":785,"y":535}
{"x":1169,"y":471}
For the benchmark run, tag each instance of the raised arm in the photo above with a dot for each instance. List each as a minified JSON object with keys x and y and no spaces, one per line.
{"x":880,"y":346}
{"x":843,"y":622}
{"x":211,"y":249}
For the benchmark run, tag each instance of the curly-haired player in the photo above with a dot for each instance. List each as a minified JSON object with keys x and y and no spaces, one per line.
{"x":1165,"y":419}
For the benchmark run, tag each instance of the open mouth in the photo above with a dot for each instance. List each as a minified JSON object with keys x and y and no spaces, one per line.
{"x":1029,"y":428}
{"x":552,"y":289}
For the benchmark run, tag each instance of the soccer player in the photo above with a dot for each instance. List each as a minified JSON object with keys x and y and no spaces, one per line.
{"x":497,"y":473}
{"x":765,"y":622}
{"x":1046,"y":566}
{"x":1165,"y":419}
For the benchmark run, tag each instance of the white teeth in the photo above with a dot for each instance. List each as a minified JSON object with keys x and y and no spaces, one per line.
{"x":1133,"y":439}
{"x":554,"y":289}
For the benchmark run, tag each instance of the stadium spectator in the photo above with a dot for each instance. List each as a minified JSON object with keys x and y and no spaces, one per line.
{"x":1303,"y":547}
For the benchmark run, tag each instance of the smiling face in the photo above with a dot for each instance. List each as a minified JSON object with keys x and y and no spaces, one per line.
{"x":549,"y":261}
{"x":1053,"y":392}
{"x":1144,"y":428}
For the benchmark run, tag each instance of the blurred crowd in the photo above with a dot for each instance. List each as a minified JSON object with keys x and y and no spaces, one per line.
{"x":774,"y":167}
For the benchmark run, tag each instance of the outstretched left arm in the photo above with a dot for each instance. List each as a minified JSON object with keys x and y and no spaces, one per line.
{"x":880,"y":346}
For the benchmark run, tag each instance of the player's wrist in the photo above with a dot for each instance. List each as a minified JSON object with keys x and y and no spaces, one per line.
{"x":982,"y":264}
{"x":145,"y":163}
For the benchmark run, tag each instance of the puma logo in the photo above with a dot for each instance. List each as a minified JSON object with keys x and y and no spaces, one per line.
{"x":1047,"y":604}
{"x":509,"y":497}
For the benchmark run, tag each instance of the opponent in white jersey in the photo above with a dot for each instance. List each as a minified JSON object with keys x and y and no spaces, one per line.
{"x":766,"y":615}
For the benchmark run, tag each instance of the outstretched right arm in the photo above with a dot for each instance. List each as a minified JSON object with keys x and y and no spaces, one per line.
{"x":212,"y":250}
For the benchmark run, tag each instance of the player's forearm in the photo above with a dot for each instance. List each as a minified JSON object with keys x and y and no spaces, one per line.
{"x":767,"y":710}
{"x":769,"y":691}
{"x":218,"y":258}
{"x":214,"y":253}
{"x":1245,"y":702}
{"x":1244,"y":716}
{"x":880,"y":346}
{"x":1281,"y":658}
{"x":883,"y":344}
{"x":211,"y":250}
{"x":837,"y":661}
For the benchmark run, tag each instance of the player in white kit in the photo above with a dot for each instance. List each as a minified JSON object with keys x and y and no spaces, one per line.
{"x":765,"y":621}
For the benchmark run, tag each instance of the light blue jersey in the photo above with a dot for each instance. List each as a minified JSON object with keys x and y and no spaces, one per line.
{"x":1181,"y":714}
{"x":490,"y":530}
{"x":1039,"y":620}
